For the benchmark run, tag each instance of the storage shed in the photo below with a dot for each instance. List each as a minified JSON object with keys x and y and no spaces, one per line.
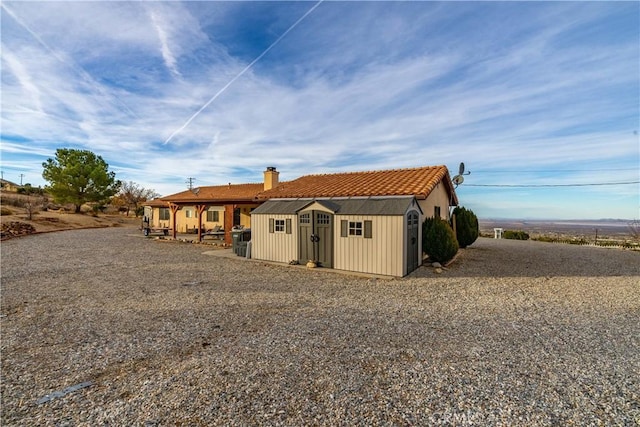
{"x":377,"y":235}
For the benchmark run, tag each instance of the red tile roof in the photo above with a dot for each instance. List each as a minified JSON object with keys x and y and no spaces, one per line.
{"x":217,"y":193}
{"x":418,"y":182}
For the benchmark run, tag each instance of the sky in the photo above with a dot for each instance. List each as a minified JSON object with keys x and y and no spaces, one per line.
{"x":540,"y":100}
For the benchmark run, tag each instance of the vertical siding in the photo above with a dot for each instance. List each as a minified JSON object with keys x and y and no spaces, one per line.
{"x":279,"y":247}
{"x":382,"y":254}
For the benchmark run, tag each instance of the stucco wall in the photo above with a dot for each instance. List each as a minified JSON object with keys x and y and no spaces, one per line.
{"x":438,"y":197}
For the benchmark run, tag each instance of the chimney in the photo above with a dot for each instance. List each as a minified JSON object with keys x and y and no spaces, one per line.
{"x":270,"y":178}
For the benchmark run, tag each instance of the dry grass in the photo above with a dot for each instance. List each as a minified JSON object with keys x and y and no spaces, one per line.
{"x":55,"y":220}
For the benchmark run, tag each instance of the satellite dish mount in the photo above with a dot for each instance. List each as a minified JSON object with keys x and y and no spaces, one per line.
{"x":459,"y":179}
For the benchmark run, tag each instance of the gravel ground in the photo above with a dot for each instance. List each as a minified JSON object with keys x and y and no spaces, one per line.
{"x":157,"y":334}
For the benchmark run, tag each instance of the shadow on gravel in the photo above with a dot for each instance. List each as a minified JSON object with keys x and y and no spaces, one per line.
{"x":514,"y":258}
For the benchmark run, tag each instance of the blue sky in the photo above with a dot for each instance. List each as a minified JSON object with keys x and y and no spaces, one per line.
{"x":525,"y":93}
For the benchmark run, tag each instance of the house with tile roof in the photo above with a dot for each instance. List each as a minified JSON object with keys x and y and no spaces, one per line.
{"x":367,"y":222}
{"x":207,"y":208}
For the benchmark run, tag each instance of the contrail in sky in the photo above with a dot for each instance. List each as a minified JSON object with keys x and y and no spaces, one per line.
{"x":213,"y":98}
{"x":69,"y":62}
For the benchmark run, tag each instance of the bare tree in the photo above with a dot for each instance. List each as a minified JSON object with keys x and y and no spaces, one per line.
{"x":634,"y":229}
{"x":133,"y":195}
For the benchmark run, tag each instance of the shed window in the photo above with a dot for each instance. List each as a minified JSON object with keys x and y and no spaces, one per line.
{"x":280,"y":225}
{"x":323,"y":219}
{"x":213,"y":216}
{"x":163,"y":214}
{"x":305,"y":219}
{"x":355,"y":228}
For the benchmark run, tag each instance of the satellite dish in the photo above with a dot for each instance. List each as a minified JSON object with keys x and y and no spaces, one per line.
{"x":458,"y":179}
{"x":461,"y":169}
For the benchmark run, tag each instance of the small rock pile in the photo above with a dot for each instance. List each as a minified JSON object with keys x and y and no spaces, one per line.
{"x":16,"y":228}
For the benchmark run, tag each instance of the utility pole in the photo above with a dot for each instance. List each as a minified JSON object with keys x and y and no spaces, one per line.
{"x":190,"y":182}
{"x":21,"y":176}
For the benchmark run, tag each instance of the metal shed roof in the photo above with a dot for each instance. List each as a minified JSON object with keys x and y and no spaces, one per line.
{"x":340,"y":206}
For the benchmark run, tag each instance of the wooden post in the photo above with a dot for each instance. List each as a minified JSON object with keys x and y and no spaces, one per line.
{"x":200,"y":209}
{"x":174,"y":211}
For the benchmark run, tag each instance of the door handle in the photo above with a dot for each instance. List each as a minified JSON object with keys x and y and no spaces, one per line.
{"x":315,"y":238}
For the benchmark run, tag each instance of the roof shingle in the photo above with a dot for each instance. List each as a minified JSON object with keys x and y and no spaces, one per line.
{"x":214,"y":193}
{"x":418,"y":182}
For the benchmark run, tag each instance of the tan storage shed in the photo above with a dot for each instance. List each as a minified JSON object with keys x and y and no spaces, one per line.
{"x":376,"y":235}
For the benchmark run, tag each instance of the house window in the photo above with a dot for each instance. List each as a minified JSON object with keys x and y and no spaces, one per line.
{"x":188,"y":213}
{"x":436,"y":211}
{"x":355,"y":228}
{"x":213,"y":216}
{"x":163,"y":214}
{"x":279,"y":225}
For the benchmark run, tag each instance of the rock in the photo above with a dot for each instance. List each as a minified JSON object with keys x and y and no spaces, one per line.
{"x":16,"y":228}
{"x":438,"y":271}
{"x":436,"y":265}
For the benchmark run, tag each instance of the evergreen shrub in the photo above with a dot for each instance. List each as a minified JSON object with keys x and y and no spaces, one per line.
{"x":467,"y":229}
{"x":440,"y":241}
{"x":515,"y":235}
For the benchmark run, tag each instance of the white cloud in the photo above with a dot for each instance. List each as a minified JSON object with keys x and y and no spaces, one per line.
{"x":336,"y":94}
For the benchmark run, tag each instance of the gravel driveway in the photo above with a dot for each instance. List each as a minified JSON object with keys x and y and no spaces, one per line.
{"x":104,"y":327}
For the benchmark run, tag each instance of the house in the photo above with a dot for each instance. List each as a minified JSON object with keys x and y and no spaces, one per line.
{"x":367,"y":222}
{"x":9,"y":186}
{"x":204,"y":208}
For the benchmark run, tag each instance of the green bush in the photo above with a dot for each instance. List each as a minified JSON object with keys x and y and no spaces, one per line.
{"x":440,"y":241}
{"x":515,"y":235}
{"x":426,"y":226}
{"x":467,"y":229}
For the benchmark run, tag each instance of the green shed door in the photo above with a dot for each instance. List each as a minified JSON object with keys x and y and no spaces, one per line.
{"x":413,"y":220}
{"x":316,"y":238}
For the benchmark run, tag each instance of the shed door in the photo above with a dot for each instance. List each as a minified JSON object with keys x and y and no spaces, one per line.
{"x":306,"y":231}
{"x":316,"y":238}
{"x":412,"y":241}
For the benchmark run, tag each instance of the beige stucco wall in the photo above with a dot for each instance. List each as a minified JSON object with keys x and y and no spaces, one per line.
{"x":245,"y":215}
{"x":437,"y":197}
{"x":154,"y":220}
{"x":183,"y":223}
